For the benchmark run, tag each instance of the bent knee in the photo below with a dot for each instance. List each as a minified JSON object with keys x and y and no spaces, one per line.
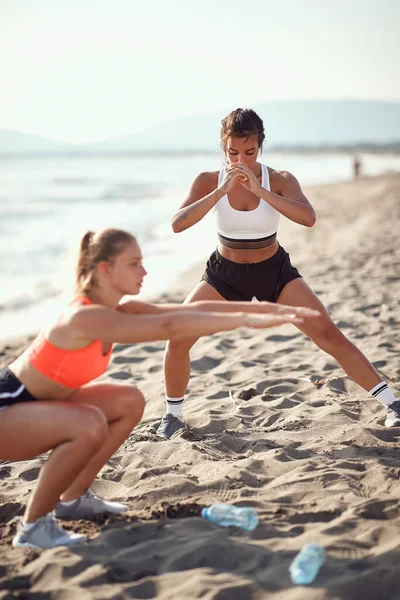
{"x":131,"y":402}
{"x":329,"y":337}
{"x":178,"y":347}
{"x":91,"y":428}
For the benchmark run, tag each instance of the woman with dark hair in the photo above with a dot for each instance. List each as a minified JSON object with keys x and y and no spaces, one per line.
{"x":248,"y":199}
{"x":48,"y":400}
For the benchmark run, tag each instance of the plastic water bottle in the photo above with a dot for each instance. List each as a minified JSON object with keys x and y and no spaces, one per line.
{"x":306,"y":564}
{"x":227,"y":514}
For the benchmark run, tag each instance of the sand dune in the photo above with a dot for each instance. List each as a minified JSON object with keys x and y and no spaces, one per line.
{"x":274,"y":424}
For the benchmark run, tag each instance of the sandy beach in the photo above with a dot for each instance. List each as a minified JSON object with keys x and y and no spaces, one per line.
{"x":305,"y":445}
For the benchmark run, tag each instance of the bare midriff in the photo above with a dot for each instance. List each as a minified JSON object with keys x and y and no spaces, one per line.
{"x":40,"y":386}
{"x":248,"y":256}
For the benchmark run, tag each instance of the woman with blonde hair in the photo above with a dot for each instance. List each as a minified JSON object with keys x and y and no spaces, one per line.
{"x":49,"y":401}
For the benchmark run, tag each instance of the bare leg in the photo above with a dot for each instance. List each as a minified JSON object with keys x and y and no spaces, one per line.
{"x":177,"y":354}
{"x":123,"y":407}
{"x":326,"y":335}
{"x":74,"y":433}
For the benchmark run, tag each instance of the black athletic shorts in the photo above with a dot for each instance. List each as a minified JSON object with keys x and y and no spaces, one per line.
{"x":12,"y":390}
{"x":242,"y":281}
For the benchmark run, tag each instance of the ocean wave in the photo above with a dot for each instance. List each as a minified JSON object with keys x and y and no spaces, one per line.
{"x":131,"y":191}
{"x":11,"y":213}
{"x":21,"y":303}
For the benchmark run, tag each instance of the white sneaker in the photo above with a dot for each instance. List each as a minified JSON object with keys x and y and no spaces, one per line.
{"x":45,"y":533}
{"x":87,"y":506}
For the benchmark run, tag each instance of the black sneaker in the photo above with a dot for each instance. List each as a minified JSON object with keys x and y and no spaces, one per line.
{"x":393,"y":414}
{"x":169,"y":425}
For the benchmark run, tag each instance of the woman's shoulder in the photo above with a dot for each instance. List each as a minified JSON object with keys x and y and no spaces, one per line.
{"x":207,"y":176}
{"x":205,"y":182}
{"x":278,"y":178}
{"x":74,"y":315}
{"x":279,"y":173}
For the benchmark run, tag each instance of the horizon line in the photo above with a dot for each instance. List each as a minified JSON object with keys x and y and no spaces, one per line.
{"x":190,"y":115}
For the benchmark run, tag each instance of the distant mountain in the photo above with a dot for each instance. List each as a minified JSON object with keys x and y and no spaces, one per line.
{"x":287,"y":123}
{"x":297,"y":122}
{"x":17,"y":142}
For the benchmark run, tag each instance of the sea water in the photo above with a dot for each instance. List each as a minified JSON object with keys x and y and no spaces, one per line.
{"x":46,"y":204}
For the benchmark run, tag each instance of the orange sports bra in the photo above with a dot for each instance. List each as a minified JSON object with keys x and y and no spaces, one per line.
{"x":72,"y":368}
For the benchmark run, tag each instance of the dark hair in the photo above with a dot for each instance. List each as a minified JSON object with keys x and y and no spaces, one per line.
{"x":242,"y":123}
{"x":105,"y":245}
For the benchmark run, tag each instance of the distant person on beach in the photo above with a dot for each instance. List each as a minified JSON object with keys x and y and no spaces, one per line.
{"x":248,"y":199}
{"x":49,"y":402}
{"x":356,"y":166}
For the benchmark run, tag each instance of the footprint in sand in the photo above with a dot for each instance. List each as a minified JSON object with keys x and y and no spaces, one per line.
{"x":129,"y":359}
{"x":378,"y":364}
{"x":323,"y":516}
{"x":246,"y":363}
{"x":277,"y":337}
{"x":30,"y":474}
{"x":121,"y":347}
{"x":382,"y":510}
{"x":385,"y":435}
{"x":338,"y":384}
{"x":267,"y":420}
{"x":205,"y":363}
{"x":120,"y":375}
{"x":225,"y":345}
{"x":152,"y":349}
{"x":279,"y":403}
{"x":218,"y":395}
{"x":10,"y":510}
{"x":5,"y":472}
{"x":281,"y":389}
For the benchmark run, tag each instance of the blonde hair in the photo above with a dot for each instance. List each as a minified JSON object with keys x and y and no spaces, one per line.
{"x":105,"y":245}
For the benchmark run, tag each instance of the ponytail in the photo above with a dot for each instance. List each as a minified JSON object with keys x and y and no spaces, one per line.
{"x":105,"y":245}
{"x":83,"y":271}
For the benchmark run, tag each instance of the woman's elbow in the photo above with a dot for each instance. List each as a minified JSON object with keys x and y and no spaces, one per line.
{"x":310,"y":220}
{"x":177,"y":226}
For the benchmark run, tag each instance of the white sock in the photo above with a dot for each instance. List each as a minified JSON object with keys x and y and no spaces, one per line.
{"x":382,"y":393}
{"x":69,"y":502}
{"x":175,"y":406}
{"x":27,"y":526}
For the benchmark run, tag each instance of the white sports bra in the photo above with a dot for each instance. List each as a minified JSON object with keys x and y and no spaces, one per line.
{"x":249,"y":225}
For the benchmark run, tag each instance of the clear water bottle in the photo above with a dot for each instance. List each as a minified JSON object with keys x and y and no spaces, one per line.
{"x":227,"y":514}
{"x":306,"y":564}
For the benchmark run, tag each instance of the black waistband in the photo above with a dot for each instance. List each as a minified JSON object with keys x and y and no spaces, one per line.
{"x":245,"y":244}
{"x":12,"y":390}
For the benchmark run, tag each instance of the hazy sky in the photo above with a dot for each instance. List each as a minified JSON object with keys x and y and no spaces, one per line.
{"x":83,"y":70}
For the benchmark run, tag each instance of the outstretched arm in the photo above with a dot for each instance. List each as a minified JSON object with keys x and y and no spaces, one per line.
{"x":216,"y":306}
{"x":98,"y":322}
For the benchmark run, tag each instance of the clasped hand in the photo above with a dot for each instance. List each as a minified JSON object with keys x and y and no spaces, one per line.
{"x":241,"y":173}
